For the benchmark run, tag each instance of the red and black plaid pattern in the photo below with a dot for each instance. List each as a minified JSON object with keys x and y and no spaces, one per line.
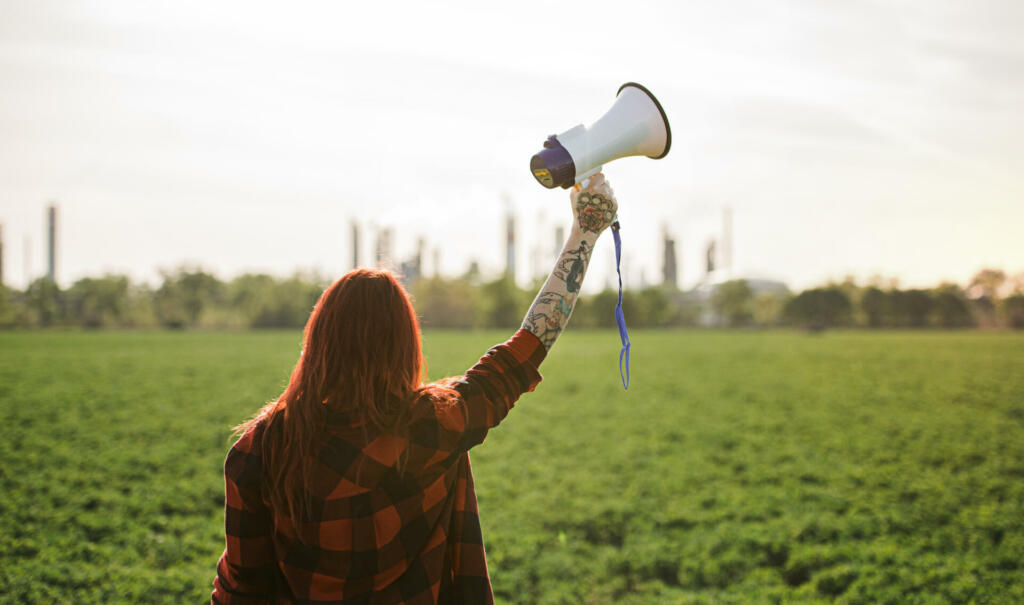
{"x":374,"y":534}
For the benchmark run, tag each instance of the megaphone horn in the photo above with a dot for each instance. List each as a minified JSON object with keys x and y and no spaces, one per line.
{"x":635,"y":125}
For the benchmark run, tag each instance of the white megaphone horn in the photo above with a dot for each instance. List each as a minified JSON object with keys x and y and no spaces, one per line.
{"x":635,"y":125}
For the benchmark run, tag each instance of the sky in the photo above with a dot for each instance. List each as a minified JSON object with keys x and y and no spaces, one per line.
{"x":871,"y":139}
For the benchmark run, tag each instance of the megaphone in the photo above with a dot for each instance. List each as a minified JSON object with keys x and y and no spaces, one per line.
{"x":635,"y":125}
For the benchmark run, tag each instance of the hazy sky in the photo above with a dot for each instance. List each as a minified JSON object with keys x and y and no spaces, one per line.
{"x":848,"y":137}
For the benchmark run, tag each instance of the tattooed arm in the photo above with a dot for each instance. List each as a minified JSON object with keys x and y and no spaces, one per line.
{"x":593,"y":210}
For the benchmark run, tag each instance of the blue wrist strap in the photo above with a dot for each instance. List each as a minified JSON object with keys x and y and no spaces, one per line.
{"x":619,"y":317}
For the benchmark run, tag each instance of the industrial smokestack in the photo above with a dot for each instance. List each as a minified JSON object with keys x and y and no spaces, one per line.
{"x":669,"y":275}
{"x":355,"y":245}
{"x":51,"y":261}
{"x":510,"y":246}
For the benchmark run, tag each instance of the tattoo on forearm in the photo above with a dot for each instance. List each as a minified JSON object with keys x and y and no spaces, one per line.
{"x":548,"y":316}
{"x":572,"y":265}
{"x":553,"y":307}
{"x":594,"y":212}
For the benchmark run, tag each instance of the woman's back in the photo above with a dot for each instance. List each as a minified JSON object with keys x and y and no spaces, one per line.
{"x":390,"y":519}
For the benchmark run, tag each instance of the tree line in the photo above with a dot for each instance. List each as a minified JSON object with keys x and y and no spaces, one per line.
{"x":194,"y":298}
{"x":990,"y":300}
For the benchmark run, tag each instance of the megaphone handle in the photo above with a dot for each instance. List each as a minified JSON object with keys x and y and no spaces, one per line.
{"x":586,"y":175}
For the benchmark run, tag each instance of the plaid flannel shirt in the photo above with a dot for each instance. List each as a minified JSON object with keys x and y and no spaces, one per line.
{"x":376,"y":535}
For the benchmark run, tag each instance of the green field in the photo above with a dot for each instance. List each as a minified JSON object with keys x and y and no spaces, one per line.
{"x":740,"y":466}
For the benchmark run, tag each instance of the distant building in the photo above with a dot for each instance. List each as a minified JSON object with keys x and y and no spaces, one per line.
{"x":702,"y":293}
{"x":409,"y":272}
{"x":472,"y":274}
{"x":412,"y":269}
{"x":382,"y":253}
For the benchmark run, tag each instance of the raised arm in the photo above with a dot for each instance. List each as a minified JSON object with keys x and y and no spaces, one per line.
{"x":593,"y":209}
{"x":490,"y":388}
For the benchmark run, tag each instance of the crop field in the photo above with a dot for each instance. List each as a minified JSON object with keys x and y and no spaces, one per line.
{"x":857,"y":467}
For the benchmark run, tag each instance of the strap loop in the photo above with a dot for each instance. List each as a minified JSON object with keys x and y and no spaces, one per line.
{"x":620,"y":318}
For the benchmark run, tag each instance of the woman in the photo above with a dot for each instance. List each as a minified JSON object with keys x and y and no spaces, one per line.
{"x":355,"y":485}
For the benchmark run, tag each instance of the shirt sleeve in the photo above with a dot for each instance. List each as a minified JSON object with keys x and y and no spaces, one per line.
{"x":488,"y":391}
{"x":246,"y":570}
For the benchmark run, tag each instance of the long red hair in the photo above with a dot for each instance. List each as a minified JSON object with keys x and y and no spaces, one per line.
{"x":361,"y":357}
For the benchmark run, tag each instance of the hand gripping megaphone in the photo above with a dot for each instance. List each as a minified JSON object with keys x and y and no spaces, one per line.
{"x":635,"y":125}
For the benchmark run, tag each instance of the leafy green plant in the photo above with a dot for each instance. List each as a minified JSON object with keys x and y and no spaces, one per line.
{"x":739,"y":467}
